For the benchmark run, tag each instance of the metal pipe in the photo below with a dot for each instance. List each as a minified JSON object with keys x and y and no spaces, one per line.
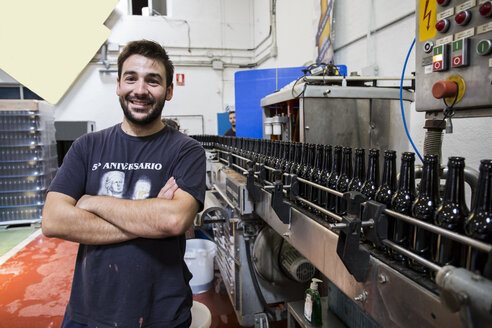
{"x":444,"y":232}
{"x":321,"y":209}
{"x":397,"y":20}
{"x":337,"y":226}
{"x":407,"y":253}
{"x":331,"y":191}
{"x":222,"y":194}
{"x":240,"y":168}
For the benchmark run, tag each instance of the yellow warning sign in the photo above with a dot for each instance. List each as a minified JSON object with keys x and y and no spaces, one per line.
{"x":427,"y":19}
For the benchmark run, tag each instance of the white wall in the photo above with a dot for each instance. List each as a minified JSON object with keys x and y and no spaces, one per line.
{"x":198,"y":32}
{"x":297,"y":23}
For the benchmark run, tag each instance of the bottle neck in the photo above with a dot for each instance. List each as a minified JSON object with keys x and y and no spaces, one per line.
{"x":359,"y":165}
{"x":373,"y":168}
{"x":297,"y":159}
{"x":429,"y":183}
{"x":309,"y":157}
{"x":346,"y":168}
{"x":285,"y":154}
{"x":407,"y":175}
{"x":483,"y":196}
{"x":303,"y":154}
{"x":454,"y":190}
{"x":292,"y":151}
{"x":318,"y":163}
{"x":327,"y":159}
{"x":389,"y":172}
{"x":337,"y":161}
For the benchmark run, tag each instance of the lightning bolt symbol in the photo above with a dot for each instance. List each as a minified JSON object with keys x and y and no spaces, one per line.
{"x":427,"y":14}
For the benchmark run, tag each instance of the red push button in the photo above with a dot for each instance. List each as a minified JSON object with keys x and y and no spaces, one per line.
{"x":442,"y":26}
{"x":485,"y":9}
{"x":443,"y":3}
{"x":462,"y":18}
{"x":444,"y":89}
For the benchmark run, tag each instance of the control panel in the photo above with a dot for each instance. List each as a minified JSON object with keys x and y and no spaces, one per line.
{"x":454,"y":56}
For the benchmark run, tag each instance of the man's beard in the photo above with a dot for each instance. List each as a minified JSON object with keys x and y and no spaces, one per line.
{"x":155,"y":111}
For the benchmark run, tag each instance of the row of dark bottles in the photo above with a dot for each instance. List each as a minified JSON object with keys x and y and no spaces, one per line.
{"x":336,"y":168}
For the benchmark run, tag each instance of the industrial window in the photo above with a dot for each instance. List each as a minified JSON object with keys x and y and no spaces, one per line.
{"x":10,"y":93}
{"x":155,"y":7}
{"x":17,"y":92}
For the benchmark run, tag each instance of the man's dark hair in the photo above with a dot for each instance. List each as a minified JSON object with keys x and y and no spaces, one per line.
{"x":150,"y":50}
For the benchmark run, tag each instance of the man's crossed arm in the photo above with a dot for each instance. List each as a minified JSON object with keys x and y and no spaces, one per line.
{"x":99,"y":220}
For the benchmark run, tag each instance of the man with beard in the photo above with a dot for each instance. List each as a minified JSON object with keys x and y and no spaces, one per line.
{"x":232,"y":119}
{"x":130,"y":270}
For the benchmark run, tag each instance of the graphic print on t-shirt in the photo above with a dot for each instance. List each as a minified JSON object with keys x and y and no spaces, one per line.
{"x":142,"y":188}
{"x":112,"y":184}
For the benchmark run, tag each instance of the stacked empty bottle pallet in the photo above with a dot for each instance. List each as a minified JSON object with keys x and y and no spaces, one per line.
{"x":28,"y":160}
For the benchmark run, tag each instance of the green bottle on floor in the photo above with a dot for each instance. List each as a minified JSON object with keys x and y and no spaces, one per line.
{"x":312,"y":304}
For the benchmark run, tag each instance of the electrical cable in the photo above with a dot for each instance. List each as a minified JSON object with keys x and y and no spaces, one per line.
{"x":401,"y":102}
{"x":254,"y":279}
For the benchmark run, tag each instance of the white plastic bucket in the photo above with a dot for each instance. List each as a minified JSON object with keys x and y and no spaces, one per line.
{"x":199,"y":258}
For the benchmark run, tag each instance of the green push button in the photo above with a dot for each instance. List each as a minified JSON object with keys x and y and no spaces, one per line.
{"x":438,"y":50}
{"x":484,"y":47}
{"x":458,"y":45}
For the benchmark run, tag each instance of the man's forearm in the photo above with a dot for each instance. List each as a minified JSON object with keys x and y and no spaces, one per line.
{"x":148,"y":218}
{"x":61,"y":219}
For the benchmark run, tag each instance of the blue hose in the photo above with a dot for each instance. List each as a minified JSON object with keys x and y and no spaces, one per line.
{"x":401,"y":102}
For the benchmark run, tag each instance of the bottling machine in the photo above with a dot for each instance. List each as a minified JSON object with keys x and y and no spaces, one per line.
{"x":273,"y":235}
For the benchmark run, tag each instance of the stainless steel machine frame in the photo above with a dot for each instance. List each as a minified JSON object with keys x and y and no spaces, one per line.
{"x":372,"y":113}
{"x":229,"y":192}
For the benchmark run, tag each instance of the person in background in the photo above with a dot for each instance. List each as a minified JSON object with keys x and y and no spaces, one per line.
{"x":232,"y":119}
{"x":171,"y":123}
{"x":130,"y":269}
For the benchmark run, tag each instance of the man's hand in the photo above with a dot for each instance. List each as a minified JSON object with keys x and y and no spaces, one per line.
{"x":167,"y":192}
{"x":83,"y":201}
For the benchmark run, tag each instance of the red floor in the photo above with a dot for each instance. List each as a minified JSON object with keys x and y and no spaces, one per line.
{"x":35,"y":285}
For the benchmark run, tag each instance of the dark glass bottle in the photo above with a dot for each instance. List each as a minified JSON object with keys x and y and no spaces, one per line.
{"x":302,"y":159}
{"x":387,"y":189}
{"x":371,"y":185}
{"x":304,"y":171}
{"x":290,"y":161}
{"x":402,"y":202}
{"x":314,"y":174}
{"x":344,"y":180}
{"x":297,"y":158}
{"x":423,"y":209}
{"x":479,"y":223}
{"x":271,"y":159}
{"x":451,"y":215}
{"x":284,"y":159}
{"x":359,"y":170}
{"x":333,"y":178}
{"x":324,"y":175}
{"x":280,"y":155}
{"x":257,"y":153}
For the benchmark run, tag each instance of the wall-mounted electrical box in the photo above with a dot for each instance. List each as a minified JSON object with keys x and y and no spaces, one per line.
{"x":454,"y":44}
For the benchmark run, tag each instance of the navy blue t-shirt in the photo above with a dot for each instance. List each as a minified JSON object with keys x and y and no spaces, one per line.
{"x":141,"y":282}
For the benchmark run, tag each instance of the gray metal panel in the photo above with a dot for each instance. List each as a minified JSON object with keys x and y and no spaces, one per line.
{"x":71,"y":130}
{"x":477,"y":75}
{"x":337,"y":121}
{"x":365,"y":123}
